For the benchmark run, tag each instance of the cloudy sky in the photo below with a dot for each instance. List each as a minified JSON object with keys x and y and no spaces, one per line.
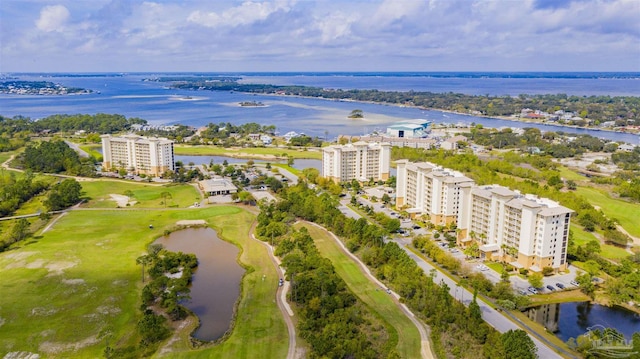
{"x":322,"y":35}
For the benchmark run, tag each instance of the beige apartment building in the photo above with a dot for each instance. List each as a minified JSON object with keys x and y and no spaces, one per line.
{"x":361,"y":161}
{"x":426,"y":189}
{"x":523,"y":230}
{"x":142,"y":155}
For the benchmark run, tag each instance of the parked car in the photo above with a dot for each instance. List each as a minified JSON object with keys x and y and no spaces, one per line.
{"x":532,"y":290}
{"x":560,"y":285}
{"x":573,"y":282}
{"x":522,"y":292}
{"x":280,"y":282}
{"x":550,"y":287}
{"x":415,"y":226}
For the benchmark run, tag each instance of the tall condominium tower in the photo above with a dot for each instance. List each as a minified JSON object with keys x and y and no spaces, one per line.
{"x":142,"y":155}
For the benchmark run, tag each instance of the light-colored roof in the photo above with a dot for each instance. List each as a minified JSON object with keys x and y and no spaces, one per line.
{"x":489,"y":247}
{"x":217,"y":184}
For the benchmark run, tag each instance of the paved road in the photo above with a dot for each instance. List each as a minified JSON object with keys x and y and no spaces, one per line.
{"x":425,"y":344}
{"x":496,"y":319}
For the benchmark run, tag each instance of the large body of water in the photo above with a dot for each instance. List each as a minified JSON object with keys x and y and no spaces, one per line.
{"x":216,"y":282}
{"x":130,"y":96}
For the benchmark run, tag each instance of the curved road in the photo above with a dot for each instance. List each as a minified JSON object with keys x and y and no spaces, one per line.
{"x":425,"y":349}
{"x":281,"y":298}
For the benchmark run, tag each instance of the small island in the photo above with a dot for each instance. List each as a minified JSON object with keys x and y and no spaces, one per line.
{"x":356,"y":114}
{"x":16,"y":87}
{"x":251,"y":104}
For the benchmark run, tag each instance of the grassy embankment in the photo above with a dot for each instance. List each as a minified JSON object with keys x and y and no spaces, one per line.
{"x":263,"y":153}
{"x":78,"y":284}
{"x":625,"y":212}
{"x":401,"y":329}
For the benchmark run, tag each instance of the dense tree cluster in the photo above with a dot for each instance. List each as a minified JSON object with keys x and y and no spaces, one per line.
{"x":14,"y":133}
{"x":456,"y":330}
{"x":623,"y":283}
{"x":55,"y":157}
{"x":161,"y":292}
{"x":602,"y":108}
{"x":98,"y":123}
{"x":63,"y":194}
{"x":15,"y":191}
{"x":327,"y":306}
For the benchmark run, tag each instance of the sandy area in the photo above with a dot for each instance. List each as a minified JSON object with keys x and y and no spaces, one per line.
{"x":57,"y":347}
{"x":193,"y":222}
{"x":122,"y":200}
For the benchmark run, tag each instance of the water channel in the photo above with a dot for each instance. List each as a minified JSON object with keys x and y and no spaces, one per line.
{"x":216,"y":282}
{"x":569,"y":320}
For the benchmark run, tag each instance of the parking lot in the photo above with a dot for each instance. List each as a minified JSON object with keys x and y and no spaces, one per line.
{"x":409,"y":229}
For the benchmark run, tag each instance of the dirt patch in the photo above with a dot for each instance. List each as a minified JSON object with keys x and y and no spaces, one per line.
{"x":55,"y":348}
{"x":122,"y":200}
{"x":177,"y":334}
{"x":57,"y":268}
{"x":108,"y":310}
{"x":194,"y":222}
{"x":73,"y":281}
{"x":2,"y":321}
{"x":38,"y":263}
{"x":43,"y":312}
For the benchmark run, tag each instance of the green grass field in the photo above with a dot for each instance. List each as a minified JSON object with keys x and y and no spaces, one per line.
{"x":581,"y":237}
{"x":248,"y":152}
{"x":399,"y":326}
{"x":625,"y":212}
{"x":92,"y":150}
{"x":67,"y":292}
{"x":147,"y":195}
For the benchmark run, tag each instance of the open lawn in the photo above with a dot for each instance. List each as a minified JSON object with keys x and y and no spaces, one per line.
{"x":67,"y":292}
{"x":625,"y":212}
{"x":399,"y":326}
{"x":581,"y":237}
{"x":146,"y":195}
{"x":247,"y":152}
{"x":92,"y":150}
{"x":568,"y":174}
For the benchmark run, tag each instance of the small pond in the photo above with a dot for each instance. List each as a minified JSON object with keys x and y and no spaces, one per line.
{"x":216,"y":282}
{"x":569,"y":320}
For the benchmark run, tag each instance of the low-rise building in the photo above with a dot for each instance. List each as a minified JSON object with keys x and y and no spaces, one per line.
{"x":217,"y":187}
{"x":409,"y":129}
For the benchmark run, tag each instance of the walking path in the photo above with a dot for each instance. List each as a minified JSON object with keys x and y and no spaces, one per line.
{"x":281,"y":300}
{"x":425,"y":347}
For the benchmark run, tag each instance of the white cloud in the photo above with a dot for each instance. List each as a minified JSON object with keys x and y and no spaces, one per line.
{"x":245,"y":14}
{"x":52,"y":18}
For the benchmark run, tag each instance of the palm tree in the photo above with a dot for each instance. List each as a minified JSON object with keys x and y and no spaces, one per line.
{"x":146,"y":259}
{"x":165,"y":195}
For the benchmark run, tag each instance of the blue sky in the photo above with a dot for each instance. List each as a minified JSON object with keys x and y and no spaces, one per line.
{"x":322,"y":35}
